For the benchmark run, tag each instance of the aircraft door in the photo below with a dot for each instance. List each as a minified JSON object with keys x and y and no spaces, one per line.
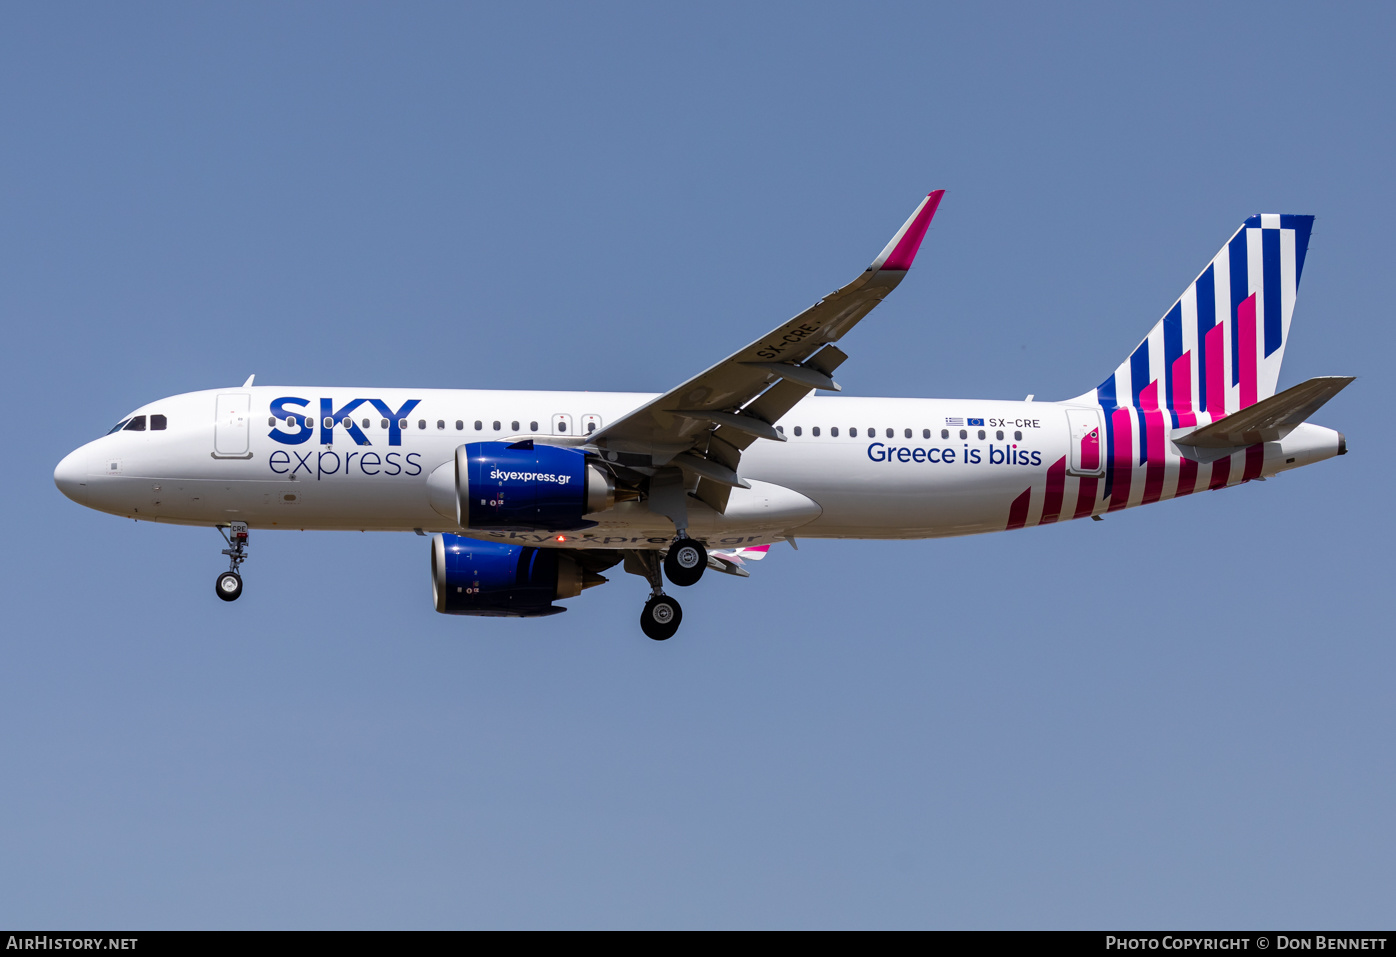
{"x":231,"y":425}
{"x":1087,"y":453}
{"x":590,"y":423}
{"x":562,"y":424}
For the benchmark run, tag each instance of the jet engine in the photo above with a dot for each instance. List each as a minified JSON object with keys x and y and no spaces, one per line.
{"x":492,"y":579}
{"x":523,"y":486}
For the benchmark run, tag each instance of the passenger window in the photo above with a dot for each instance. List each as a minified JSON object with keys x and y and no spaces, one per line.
{"x":441,"y":423}
{"x":834,"y":432}
{"x":891,"y":432}
{"x":797,"y":430}
{"x":852,"y":433}
{"x":925,"y":433}
{"x":981,"y":434}
{"x":271,"y":421}
{"x":480,"y":425}
{"x":908,"y":433}
{"x":328,"y":423}
{"x":460,"y":426}
{"x":157,"y":423}
{"x":561,"y":425}
{"x":402,"y":424}
{"x":365,"y":423}
{"x":384,"y":423}
{"x":999,"y":435}
{"x":421,"y":423}
{"x":137,"y":424}
{"x":496,"y":425}
{"x":814,"y":431}
{"x":292,"y":422}
{"x":1017,"y":436}
{"x":945,"y":433}
{"x":780,"y":429}
{"x":591,"y":427}
{"x":964,"y":434}
{"x":533,"y":426}
{"x":514,"y":426}
{"x":119,"y":426}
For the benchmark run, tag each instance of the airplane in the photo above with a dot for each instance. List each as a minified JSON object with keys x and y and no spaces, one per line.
{"x":528,"y":496}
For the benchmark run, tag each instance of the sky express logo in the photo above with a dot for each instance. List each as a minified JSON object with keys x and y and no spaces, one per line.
{"x":294,"y":424}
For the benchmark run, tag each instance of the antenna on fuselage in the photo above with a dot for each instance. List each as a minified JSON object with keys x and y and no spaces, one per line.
{"x":248,"y":383}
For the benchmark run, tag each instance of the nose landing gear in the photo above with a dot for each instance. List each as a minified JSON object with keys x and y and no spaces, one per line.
{"x":229,"y":584}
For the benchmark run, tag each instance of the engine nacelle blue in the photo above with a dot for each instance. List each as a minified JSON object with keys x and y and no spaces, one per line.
{"x":470,"y":577}
{"x":523,"y":486}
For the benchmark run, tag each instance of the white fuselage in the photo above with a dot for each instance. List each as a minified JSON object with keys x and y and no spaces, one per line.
{"x":873,"y":468}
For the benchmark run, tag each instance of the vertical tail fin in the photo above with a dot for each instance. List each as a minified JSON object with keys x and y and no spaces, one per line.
{"x":1219,"y":349}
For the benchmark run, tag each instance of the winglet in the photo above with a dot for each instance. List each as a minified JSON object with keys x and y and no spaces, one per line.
{"x":899,"y":253}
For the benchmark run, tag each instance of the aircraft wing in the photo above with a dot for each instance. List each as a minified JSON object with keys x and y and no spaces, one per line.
{"x":703,"y":425}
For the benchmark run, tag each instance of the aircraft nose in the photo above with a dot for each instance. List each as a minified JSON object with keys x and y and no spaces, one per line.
{"x":71,"y":475}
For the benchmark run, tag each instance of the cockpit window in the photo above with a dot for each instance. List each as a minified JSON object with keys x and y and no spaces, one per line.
{"x":157,"y":423}
{"x":119,"y":426}
{"x":137,"y":424}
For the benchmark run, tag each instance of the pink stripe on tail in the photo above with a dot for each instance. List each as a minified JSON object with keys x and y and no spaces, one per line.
{"x":1187,"y":477}
{"x":1056,"y":487}
{"x":1182,"y":389}
{"x":1085,"y":498}
{"x":1247,"y":335}
{"x":1018,"y":511}
{"x":1090,"y":450}
{"x":1255,"y":462}
{"x":1152,"y":440}
{"x":1216,"y":379}
{"x":1123,"y":466}
{"x":1221,"y":473}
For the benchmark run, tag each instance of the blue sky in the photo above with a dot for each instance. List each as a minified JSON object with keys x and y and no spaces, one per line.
{"x":1178,"y":717}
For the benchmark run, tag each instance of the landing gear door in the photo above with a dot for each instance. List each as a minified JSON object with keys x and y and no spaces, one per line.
{"x":231,"y":424}
{"x":1087,"y":455}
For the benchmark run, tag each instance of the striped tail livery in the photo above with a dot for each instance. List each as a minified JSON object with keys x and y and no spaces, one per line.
{"x":1194,"y":405}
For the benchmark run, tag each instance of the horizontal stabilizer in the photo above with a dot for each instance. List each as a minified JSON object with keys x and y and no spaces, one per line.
{"x":1269,"y":420}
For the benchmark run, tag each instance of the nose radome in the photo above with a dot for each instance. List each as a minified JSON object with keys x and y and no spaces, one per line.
{"x":71,"y":475}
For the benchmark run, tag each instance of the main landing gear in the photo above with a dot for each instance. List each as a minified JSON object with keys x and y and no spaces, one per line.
{"x":684,"y":565}
{"x":660,"y":617}
{"x":229,"y":584}
{"x":686,"y":561}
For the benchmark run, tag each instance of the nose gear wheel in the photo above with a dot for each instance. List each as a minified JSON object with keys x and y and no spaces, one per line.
{"x":229,"y":586}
